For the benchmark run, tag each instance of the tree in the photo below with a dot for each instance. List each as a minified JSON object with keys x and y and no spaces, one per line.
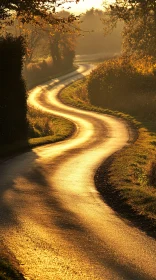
{"x":92,"y":38}
{"x":62,"y":40}
{"x":62,"y":45}
{"x":30,"y":10}
{"x":13,"y":122}
{"x":128,"y":9}
{"x":67,"y":46}
{"x":25,"y":9}
{"x":54,"y":41}
{"x":141,"y":39}
{"x":32,"y":41}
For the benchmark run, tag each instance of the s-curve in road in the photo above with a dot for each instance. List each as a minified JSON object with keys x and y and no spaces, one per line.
{"x":52,"y":218}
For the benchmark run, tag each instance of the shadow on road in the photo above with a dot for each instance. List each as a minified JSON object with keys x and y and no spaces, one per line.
{"x":74,"y":231}
{"x":36,"y":189}
{"x":12,"y":170}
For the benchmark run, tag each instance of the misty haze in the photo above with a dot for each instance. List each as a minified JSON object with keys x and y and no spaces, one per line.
{"x":77,"y":140}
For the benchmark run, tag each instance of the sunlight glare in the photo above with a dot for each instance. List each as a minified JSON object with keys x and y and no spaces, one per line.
{"x":83,"y":5}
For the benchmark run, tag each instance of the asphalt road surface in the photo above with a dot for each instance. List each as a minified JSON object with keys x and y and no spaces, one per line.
{"x":53,"y":220}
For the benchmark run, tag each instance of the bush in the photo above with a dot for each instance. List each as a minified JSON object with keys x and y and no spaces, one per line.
{"x":152,"y":174}
{"x":13,"y":105}
{"x":117,"y":85}
{"x":8,"y":272}
{"x":38,"y":72}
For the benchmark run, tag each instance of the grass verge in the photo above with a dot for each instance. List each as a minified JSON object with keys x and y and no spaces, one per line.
{"x":8,"y":272}
{"x":44,"y":129}
{"x":132,"y":172}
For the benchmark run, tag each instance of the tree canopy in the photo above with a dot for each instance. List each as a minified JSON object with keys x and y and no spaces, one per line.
{"x":27,"y":10}
{"x":140,"y":25}
{"x":35,"y":7}
{"x":126,"y":9}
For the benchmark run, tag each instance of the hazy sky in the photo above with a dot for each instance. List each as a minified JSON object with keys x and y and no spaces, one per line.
{"x":84,"y":5}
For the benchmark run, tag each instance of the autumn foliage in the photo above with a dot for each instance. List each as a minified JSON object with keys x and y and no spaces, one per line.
{"x":120,"y":84}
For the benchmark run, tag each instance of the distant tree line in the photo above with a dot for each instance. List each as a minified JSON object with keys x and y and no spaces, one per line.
{"x":93,"y":38}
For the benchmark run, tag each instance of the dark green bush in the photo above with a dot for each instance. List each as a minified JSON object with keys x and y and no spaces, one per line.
{"x":7,"y":272}
{"x":13,"y":105}
{"x":152,"y":174}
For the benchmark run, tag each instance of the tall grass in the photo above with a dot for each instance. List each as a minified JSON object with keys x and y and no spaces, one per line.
{"x":45,"y":125}
{"x":40,"y":124}
{"x":133,"y":172}
{"x":46,"y":128}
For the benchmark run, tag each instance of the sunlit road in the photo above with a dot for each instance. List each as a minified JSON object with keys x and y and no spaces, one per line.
{"x":52,"y":218}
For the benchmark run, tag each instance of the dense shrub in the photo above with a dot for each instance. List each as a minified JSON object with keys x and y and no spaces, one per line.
{"x":39,"y":72}
{"x":116,"y":84}
{"x":13,"y":106}
{"x":152,"y":174}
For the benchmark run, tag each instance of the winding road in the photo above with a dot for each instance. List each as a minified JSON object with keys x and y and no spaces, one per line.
{"x":52,"y":219}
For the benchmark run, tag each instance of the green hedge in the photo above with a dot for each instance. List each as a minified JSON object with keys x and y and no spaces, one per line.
{"x":13,"y":105}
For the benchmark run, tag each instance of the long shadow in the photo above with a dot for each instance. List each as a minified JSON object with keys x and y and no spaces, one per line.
{"x":9,"y":172}
{"x":64,"y":218}
{"x":96,"y":251}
